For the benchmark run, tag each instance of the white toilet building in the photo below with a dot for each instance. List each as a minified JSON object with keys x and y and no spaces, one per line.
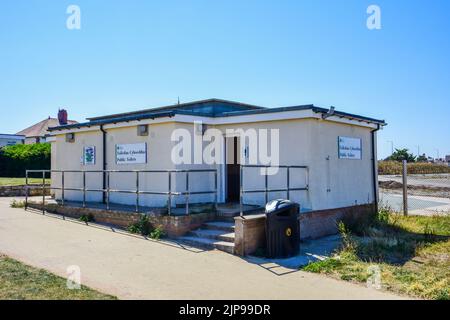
{"x":336,"y":153}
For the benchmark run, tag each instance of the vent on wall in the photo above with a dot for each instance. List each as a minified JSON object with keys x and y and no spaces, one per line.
{"x":142,"y":130}
{"x":70,"y":137}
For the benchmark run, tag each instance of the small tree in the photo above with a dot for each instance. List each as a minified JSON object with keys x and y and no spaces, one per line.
{"x":402,"y":154}
{"x":422,"y":158}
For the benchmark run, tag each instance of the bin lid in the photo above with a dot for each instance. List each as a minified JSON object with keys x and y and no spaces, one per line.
{"x":278,"y":204}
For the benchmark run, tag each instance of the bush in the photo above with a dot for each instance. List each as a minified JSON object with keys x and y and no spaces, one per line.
{"x":17,"y":204}
{"x":142,"y":227}
{"x":87,"y":218}
{"x":157,"y":233}
{"x":14,"y":160}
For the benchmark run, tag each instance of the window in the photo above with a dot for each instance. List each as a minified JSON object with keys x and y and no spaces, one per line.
{"x":142,"y":130}
{"x":70,"y":137}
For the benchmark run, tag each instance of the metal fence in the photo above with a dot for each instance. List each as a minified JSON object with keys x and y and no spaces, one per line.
{"x":266,"y":190}
{"x":416,"y":194}
{"x":107,"y":190}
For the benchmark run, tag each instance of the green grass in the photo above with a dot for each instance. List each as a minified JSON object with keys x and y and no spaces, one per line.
{"x":19,"y":281}
{"x":412,"y":253}
{"x":21,"y":181}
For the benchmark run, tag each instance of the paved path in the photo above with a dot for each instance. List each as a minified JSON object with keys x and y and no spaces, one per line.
{"x":132,"y":268}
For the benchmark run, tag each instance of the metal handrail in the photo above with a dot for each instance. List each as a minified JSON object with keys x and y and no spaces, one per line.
{"x":187,"y":193}
{"x":266,"y":189}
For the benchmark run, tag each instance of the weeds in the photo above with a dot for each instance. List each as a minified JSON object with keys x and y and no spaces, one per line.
{"x":17,"y":204}
{"x":87,"y":218}
{"x":157,"y":233}
{"x":412,"y":253}
{"x":145,"y":228}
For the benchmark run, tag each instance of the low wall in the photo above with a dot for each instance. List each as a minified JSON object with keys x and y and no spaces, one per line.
{"x":250,"y":234}
{"x":250,"y":231}
{"x":20,"y":191}
{"x":173,"y":226}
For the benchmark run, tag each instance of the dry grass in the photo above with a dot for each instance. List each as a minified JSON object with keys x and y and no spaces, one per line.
{"x":394,"y":167}
{"x":21,"y":181}
{"x":19,"y":281}
{"x":412,"y":254}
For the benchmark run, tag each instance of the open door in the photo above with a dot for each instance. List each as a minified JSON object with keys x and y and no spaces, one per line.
{"x":233,"y":169}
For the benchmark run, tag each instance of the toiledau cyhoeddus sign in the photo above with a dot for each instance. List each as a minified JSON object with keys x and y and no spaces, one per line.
{"x":349,"y":148}
{"x":134,"y":153}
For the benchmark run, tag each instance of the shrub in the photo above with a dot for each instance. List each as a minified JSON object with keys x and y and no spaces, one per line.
{"x":14,"y":160}
{"x":157,"y":233}
{"x":17,"y":204}
{"x":142,"y":227}
{"x":87,"y":218}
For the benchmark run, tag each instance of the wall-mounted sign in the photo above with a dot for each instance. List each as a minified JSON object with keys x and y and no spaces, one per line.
{"x":134,"y":153}
{"x":350,"y":148}
{"x":89,"y":155}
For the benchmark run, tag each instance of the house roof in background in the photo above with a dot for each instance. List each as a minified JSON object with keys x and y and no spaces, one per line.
{"x":40,"y":129}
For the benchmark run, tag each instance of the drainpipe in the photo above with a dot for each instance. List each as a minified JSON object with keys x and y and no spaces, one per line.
{"x":374,"y":166}
{"x":104,"y":160}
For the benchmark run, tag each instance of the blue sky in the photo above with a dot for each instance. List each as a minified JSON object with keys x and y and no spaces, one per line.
{"x":137,"y":54}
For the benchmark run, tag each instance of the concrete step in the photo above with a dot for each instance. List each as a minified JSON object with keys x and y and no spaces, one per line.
{"x":220,"y":235}
{"x":219,"y":225}
{"x":208,"y":244}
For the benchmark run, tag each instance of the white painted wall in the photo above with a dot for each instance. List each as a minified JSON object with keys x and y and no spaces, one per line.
{"x":333,"y":182}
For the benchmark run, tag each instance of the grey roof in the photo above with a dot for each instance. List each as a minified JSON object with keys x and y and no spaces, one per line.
{"x":207,"y":108}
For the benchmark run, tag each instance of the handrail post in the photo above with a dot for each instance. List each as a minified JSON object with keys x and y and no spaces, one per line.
{"x":26,"y":190}
{"x":288,"y":183}
{"x":84,"y":189}
{"x":266,"y":184}
{"x":107,"y":190}
{"x":241,"y":192}
{"x":62,"y":188}
{"x":215,"y":190}
{"x":169,"y":202}
{"x":187,"y":192}
{"x":137,"y":191}
{"x":43,"y":191}
{"x":405,"y":187}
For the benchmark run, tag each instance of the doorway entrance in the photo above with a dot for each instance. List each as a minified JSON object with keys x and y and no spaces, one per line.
{"x":233,"y":168}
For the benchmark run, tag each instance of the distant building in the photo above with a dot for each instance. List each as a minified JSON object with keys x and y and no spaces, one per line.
{"x":447,"y":159}
{"x":11,"y":139}
{"x":38,"y":132}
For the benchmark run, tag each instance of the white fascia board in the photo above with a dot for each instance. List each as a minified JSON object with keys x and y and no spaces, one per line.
{"x":12,"y":137}
{"x":271,"y":116}
{"x":74,"y":130}
{"x":248,"y":118}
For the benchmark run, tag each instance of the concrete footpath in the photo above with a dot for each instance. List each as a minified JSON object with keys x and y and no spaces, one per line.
{"x":134,"y":268}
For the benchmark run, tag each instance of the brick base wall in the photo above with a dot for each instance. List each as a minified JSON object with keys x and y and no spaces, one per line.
{"x":316,"y":224}
{"x":250,"y":230}
{"x":173,"y":226}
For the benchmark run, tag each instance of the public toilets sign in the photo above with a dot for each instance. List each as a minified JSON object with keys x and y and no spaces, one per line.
{"x":134,"y":153}
{"x":350,"y":148}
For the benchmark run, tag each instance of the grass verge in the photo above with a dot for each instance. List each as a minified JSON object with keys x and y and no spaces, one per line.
{"x":19,"y":281}
{"x":411,"y":253}
{"x":21,"y":181}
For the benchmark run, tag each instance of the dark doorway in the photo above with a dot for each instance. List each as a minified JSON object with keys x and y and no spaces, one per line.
{"x":233,"y":169}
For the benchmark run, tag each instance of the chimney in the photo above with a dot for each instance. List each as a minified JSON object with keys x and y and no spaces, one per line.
{"x":62,"y":116}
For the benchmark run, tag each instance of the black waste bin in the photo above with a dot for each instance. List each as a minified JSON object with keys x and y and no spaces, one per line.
{"x":282,"y":228}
